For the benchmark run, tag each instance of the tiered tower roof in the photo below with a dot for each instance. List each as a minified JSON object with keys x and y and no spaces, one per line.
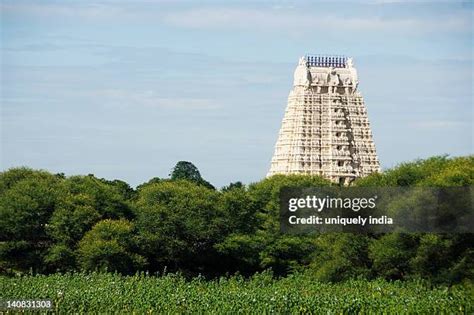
{"x":325,"y":130}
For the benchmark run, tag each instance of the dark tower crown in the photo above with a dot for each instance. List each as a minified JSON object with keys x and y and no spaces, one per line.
{"x":326,"y":61}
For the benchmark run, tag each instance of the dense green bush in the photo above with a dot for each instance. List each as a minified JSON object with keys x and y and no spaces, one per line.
{"x":178,"y":222}
{"x":54,"y":223}
{"x":341,"y":256}
{"x":27,"y":201}
{"x":110,"y":246}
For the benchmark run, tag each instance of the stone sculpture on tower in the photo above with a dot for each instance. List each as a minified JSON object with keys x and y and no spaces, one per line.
{"x":325,"y":130}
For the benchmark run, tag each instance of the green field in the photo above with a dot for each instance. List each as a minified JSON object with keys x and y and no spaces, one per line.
{"x":261,"y":294}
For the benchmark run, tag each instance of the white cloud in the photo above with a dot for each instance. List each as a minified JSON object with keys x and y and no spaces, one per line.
{"x":225,"y":18}
{"x":117,"y":98}
{"x":440,"y":124}
{"x":277,"y":17}
{"x":412,"y":1}
{"x":91,"y":10}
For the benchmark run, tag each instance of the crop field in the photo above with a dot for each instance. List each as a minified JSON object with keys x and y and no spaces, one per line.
{"x":261,"y":294}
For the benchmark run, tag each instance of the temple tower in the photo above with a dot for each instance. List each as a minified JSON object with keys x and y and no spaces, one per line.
{"x":325,"y":130}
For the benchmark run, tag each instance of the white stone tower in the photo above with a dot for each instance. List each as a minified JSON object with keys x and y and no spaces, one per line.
{"x":325,"y":130}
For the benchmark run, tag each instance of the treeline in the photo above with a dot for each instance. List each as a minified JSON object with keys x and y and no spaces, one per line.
{"x":51,"y":223}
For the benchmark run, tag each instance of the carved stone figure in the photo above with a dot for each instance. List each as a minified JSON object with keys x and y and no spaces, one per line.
{"x":350,"y":62}
{"x":302,"y":76}
{"x":347,"y":85}
{"x":318,"y":81}
{"x":333,"y":80}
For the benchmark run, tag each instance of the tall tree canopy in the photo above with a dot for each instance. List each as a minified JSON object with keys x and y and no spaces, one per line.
{"x":188,"y":171}
{"x":51,"y":222}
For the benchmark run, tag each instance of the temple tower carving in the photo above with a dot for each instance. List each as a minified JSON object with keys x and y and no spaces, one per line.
{"x":325,"y":130}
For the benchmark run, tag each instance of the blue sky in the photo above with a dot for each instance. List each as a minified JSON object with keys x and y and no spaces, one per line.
{"x":125,"y":89}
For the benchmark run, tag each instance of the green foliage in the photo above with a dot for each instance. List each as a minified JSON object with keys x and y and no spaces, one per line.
{"x":27,"y":200}
{"x":391,"y":254}
{"x":237,"y":210}
{"x":187,"y":170}
{"x":83,"y":201}
{"x":105,"y":198}
{"x":178,"y":223}
{"x":442,"y":258}
{"x":235,"y":185}
{"x":15,"y":175}
{"x":74,"y":216}
{"x":432,"y":256}
{"x":60,"y":257}
{"x":43,"y":216}
{"x":124,"y":189}
{"x":341,"y":256}
{"x":242,"y":252}
{"x":261,"y":294}
{"x":456,"y":172}
{"x":282,"y":253}
{"x":287,"y":253}
{"x":109,"y":246}
{"x":267,"y":191}
{"x":152,"y":181}
{"x":26,"y":205}
{"x":435,"y":171}
{"x":54,"y":223}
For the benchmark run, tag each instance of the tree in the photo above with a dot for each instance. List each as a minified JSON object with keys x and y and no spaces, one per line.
{"x":391,"y":254}
{"x":104,"y":197}
{"x":152,"y":181}
{"x":239,"y":246}
{"x":280,"y":252}
{"x":83,"y":201}
{"x":187,"y":170}
{"x":27,"y":200}
{"x":74,"y":216}
{"x":287,"y":253}
{"x":231,"y":186}
{"x":51,"y":222}
{"x":437,"y":171}
{"x":109,"y":246}
{"x":60,"y":257}
{"x":458,"y":171}
{"x":13,"y":176}
{"x":178,"y":223}
{"x":241,"y":252}
{"x":341,"y":256}
{"x":444,"y":258}
{"x":122,"y":188}
{"x":238,"y":210}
